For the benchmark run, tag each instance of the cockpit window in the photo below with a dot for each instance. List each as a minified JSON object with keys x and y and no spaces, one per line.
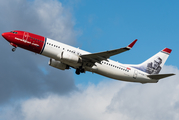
{"x":13,"y":32}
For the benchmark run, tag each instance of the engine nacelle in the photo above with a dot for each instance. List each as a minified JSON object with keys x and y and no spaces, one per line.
{"x":58,"y":64}
{"x":70,"y":57}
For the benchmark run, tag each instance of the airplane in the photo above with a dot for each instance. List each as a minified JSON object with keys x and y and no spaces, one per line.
{"x":63,"y":56}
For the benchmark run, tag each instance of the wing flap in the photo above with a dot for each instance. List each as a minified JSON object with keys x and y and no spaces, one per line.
{"x":159,"y":76}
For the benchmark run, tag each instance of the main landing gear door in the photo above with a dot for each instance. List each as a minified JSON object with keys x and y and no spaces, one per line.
{"x":135,"y":74}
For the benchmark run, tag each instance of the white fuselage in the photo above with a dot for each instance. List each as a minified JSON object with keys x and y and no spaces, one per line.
{"x":108,"y":68}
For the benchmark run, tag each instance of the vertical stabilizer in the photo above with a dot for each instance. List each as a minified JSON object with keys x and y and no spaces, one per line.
{"x":154,"y":64}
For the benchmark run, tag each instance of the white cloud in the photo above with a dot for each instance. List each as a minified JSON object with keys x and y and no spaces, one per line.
{"x":150,"y":101}
{"x":86,"y":104}
{"x":110,"y":100}
{"x":56,"y":19}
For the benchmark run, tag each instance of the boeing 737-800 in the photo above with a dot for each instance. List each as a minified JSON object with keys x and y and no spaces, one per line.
{"x":63,"y":56}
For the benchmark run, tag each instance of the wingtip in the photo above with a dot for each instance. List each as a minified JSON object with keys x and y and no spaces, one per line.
{"x":132,"y":44}
{"x":167,"y":50}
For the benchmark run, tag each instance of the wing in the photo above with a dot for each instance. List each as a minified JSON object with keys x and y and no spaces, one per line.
{"x":98,"y":57}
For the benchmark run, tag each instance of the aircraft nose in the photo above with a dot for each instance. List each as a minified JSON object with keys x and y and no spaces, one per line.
{"x":3,"y":34}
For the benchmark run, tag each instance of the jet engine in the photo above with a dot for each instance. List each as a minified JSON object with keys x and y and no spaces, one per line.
{"x":58,"y":64}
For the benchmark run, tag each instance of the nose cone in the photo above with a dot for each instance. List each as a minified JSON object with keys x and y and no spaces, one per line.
{"x":4,"y":35}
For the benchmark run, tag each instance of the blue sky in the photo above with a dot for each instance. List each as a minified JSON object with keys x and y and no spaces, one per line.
{"x":106,"y":25}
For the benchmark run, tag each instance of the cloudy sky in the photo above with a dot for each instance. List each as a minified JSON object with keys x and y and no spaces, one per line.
{"x":31,"y":90}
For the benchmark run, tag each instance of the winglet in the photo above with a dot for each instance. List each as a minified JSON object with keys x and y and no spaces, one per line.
{"x":132,"y":44}
{"x":167,"y":50}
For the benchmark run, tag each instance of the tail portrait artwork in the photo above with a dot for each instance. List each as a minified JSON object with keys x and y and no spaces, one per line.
{"x":154,"y":64}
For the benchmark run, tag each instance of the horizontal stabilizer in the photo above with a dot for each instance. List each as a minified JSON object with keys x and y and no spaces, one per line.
{"x":159,"y":76}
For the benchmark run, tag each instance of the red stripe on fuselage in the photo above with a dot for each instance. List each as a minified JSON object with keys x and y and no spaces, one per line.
{"x":26,"y":40}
